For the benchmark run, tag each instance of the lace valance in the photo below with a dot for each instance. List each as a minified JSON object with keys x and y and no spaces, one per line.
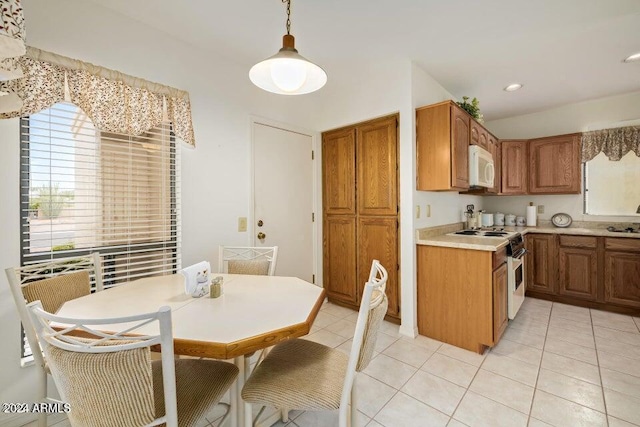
{"x":115,"y":102}
{"x":614,"y":143}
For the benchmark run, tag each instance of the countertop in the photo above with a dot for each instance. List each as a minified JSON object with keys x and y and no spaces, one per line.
{"x":493,"y":244}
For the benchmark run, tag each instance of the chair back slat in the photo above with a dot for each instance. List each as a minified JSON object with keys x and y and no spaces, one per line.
{"x":259,"y":261}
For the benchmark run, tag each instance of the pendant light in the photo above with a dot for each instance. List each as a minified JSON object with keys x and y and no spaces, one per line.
{"x":287,"y":72}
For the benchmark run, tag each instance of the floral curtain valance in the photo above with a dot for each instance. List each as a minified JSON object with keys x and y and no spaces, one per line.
{"x":614,"y":143}
{"x":115,"y":102}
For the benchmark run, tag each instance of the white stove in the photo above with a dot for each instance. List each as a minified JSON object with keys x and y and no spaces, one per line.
{"x":491,"y":232}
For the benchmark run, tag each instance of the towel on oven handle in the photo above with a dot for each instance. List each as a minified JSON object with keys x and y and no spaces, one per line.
{"x":196,"y":279}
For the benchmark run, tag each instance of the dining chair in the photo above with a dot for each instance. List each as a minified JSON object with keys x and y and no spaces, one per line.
{"x":53,"y":282}
{"x":304,"y":375}
{"x":108,"y":378}
{"x":260,"y":261}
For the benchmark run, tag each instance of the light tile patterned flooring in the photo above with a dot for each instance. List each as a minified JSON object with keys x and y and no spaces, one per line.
{"x":556,"y":365}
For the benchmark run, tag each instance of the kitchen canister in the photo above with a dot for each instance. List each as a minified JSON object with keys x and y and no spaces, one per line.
{"x":510,"y":220}
{"x":520,"y":221}
{"x":498,"y":218}
{"x":487,"y":219}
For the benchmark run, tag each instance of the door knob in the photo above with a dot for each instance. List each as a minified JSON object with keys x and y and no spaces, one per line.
{"x":261,"y":235}
{"x":260,"y":223}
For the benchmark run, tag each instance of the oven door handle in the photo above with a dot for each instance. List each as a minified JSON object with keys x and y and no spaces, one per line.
{"x":520,"y":253}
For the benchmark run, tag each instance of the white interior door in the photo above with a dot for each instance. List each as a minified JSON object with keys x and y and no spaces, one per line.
{"x":283,"y":191}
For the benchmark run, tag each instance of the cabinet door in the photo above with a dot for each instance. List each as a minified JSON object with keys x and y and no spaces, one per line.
{"x":377,"y":166}
{"x":338,"y":172}
{"x":555,"y":165}
{"x":577,"y":273}
{"x":494,"y":149}
{"x":500,"y":314}
{"x":378,"y":239}
{"x":460,"y":122}
{"x":622,"y":278}
{"x":541,"y":266}
{"x":339,"y":266}
{"x":514,"y":167}
{"x":479,"y":135}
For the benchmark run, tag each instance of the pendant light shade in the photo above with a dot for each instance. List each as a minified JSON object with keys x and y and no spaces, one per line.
{"x":287,"y":72}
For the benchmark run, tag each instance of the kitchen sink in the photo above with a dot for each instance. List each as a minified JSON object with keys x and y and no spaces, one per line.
{"x":623,"y":230}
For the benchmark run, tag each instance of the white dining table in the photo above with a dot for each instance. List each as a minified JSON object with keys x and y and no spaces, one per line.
{"x":253,"y":313}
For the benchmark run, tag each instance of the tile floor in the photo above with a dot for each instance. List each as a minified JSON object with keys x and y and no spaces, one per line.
{"x":556,"y":365}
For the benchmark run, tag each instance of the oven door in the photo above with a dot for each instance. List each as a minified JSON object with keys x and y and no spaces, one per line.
{"x":516,"y":284}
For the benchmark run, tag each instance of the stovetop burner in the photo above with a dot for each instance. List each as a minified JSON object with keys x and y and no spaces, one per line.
{"x":484,"y":232}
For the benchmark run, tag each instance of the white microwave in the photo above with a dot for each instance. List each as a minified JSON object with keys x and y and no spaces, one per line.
{"x":481,"y":169}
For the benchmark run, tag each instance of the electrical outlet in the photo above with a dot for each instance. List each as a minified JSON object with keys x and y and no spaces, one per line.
{"x":540,"y":209}
{"x":242,"y":224}
{"x":428,"y":211}
{"x":418,"y":211}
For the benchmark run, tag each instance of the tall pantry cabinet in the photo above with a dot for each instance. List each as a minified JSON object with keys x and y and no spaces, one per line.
{"x":360,"y":209}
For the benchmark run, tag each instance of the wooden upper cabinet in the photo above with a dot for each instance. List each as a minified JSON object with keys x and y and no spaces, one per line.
{"x":514,"y":167}
{"x":494,"y":149}
{"x":461,"y":123}
{"x":479,"y":135}
{"x":378,"y":239}
{"x":555,"y":165}
{"x":339,"y":174}
{"x":377,"y":161}
{"x":442,"y":153}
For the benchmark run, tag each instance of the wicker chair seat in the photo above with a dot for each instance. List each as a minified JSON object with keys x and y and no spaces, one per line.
{"x":298,"y":374}
{"x":200,"y":384}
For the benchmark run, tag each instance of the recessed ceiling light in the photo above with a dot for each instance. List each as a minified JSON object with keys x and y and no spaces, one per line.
{"x":634,"y":57}
{"x":512,"y":87}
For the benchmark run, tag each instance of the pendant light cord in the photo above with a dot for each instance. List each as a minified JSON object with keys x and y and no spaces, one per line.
{"x":288,"y":2}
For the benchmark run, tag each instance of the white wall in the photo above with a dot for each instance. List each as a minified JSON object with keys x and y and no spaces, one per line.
{"x":578,"y":117}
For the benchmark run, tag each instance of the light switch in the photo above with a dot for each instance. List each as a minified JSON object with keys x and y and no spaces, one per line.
{"x":428,"y":211}
{"x":417,"y":211}
{"x":242,"y":224}
{"x":540,"y":209}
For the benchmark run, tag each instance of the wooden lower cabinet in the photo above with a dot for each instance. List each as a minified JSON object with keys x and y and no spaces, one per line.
{"x":339,"y":271}
{"x":578,"y":267}
{"x":595,"y":272}
{"x":458,"y":301}
{"x":378,"y":239}
{"x":500,"y":302}
{"x":578,"y":273}
{"x":622,"y":278}
{"x":541,"y":262}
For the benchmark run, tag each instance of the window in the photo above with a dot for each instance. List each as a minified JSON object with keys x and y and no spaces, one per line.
{"x":84,"y":191}
{"x":611,"y":188}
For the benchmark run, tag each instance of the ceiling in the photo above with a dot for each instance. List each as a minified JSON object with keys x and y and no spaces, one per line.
{"x":563,"y":51}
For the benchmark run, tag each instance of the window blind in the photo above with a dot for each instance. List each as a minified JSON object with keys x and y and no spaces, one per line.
{"x":84,"y":191}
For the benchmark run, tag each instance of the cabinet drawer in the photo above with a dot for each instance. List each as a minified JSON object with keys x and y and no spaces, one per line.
{"x":499,"y":257}
{"x":624,"y":244}
{"x":579,"y":241}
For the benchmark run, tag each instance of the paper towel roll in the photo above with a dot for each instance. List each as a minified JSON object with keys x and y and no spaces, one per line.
{"x":532,"y":216}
